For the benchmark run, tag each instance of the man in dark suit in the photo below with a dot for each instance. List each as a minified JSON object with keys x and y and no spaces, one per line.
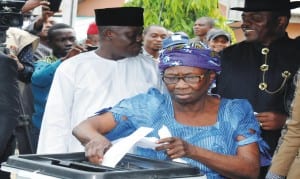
{"x":9,"y":108}
{"x":262,"y":67}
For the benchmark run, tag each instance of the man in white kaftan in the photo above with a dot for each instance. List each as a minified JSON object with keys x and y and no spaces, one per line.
{"x":85,"y":84}
{"x":97,"y":79}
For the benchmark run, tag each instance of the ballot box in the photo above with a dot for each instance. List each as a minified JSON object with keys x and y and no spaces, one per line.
{"x":76,"y":166}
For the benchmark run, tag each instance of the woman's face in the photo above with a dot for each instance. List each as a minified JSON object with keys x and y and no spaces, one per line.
{"x":187,"y":85}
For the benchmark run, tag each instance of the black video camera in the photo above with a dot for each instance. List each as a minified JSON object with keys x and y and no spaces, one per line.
{"x":10,"y":16}
{"x":10,"y":13}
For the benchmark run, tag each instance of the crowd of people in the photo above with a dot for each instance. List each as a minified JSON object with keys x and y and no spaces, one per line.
{"x":225,"y":104}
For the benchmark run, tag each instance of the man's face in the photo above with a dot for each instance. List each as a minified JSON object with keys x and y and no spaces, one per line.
{"x":258,"y":26}
{"x":92,"y":39}
{"x":201,"y":27}
{"x":154,"y":37}
{"x":62,"y":42}
{"x":46,"y":26}
{"x":126,"y":41}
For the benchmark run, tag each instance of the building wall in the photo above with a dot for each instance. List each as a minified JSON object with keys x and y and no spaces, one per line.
{"x":86,"y":7}
{"x":293,"y":30}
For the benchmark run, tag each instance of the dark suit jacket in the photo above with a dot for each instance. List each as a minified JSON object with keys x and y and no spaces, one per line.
{"x":241,"y":75}
{"x":9,"y":100}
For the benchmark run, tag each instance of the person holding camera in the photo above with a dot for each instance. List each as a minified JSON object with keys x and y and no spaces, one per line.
{"x":40,"y":27}
{"x":18,"y":46}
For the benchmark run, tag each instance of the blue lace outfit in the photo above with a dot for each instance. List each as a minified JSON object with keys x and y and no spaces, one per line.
{"x":154,"y":110}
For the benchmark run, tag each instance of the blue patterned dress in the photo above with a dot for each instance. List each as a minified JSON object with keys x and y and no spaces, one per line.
{"x":154,"y":110}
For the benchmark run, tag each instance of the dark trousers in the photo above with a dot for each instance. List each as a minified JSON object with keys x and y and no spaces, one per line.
{"x":35,"y":133}
{"x":24,"y":143}
{"x":263,"y":172}
{"x":23,"y":129}
{"x":9,"y":150}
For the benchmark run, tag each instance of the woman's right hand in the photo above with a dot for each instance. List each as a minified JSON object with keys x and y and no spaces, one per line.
{"x":96,"y":148}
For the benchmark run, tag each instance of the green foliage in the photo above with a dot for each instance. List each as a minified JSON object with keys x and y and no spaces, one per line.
{"x":180,"y":15}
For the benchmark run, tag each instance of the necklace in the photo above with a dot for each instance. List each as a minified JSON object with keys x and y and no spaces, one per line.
{"x":264,"y":68}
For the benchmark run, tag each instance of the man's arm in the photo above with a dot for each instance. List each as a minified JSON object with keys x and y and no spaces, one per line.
{"x":44,"y":73}
{"x":26,"y":59}
{"x":37,"y":25}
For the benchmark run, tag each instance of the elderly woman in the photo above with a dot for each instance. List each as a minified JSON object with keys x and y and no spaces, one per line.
{"x":220,"y":136}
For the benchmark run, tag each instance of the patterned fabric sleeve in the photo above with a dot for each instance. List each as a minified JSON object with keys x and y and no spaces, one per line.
{"x":249,"y":128}
{"x":247,"y":124}
{"x":271,"y":175}
{"x":133,"y":113}
{"x":26,"y":58}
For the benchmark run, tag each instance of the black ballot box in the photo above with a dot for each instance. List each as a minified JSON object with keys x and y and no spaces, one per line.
{"x":76,"y":166}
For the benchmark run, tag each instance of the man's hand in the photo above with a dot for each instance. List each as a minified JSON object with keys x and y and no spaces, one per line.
{"x":31,"y":4}
{"x":46,"y":13}
{"x":13,"y":55}
{"x":20,"y":66}
{"x":74,"y":51}
{"x":271,"y":120}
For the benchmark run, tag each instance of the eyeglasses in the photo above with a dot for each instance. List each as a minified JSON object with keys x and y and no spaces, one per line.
{"x":190,"y":79}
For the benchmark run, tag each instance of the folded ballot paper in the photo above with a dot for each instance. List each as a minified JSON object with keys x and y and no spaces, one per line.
{"x":119,"y":149}
{"x":125,"y":145}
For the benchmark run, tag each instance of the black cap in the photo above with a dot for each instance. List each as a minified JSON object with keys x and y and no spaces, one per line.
{"x":214,"y":33}
{"x":267,"y":5}
{"x":120,"y":16}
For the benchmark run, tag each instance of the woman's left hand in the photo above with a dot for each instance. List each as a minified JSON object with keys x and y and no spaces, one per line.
{"x":174,"y":147}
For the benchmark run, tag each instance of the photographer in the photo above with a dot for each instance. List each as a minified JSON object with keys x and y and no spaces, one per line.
{"x":40,"y":27}
{"x":15,"y":64}
{"x":22,"y":46}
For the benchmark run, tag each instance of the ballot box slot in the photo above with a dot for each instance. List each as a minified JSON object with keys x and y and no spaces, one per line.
{"x":78,"y":165}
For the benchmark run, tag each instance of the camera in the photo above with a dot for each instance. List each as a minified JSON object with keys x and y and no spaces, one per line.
{"x":10,"y":13}
{"x":54,"y":5}
{"x":10,"y":16}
